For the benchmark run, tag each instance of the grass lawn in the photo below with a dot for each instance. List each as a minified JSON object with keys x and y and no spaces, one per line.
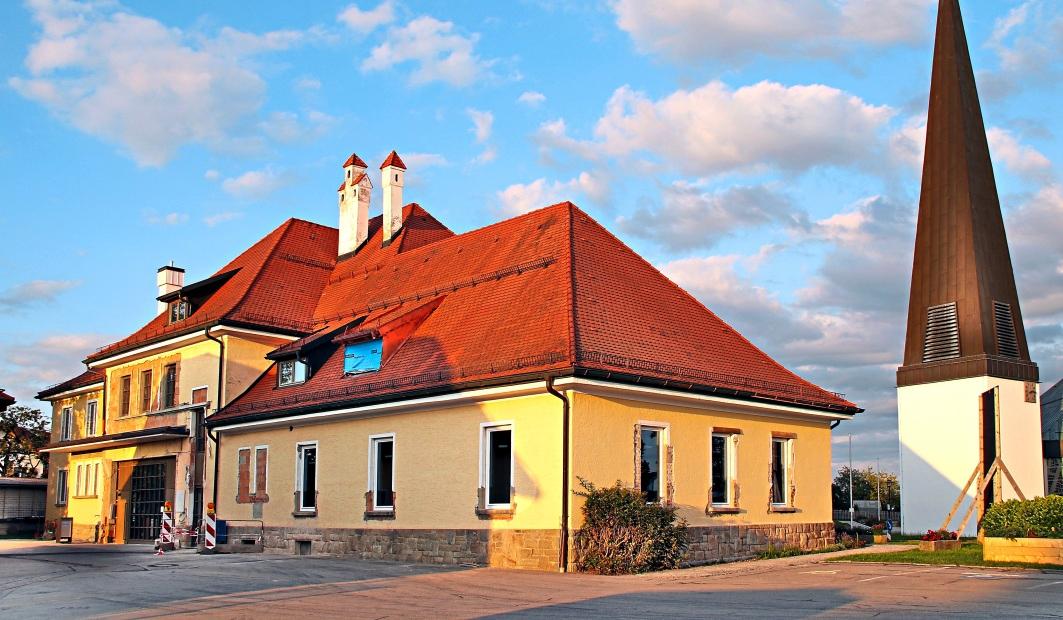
{"x":969,"y":554}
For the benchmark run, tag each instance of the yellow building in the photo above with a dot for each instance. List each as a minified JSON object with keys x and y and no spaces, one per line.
{"x":452,"y":391}
{"x":151,"y":391}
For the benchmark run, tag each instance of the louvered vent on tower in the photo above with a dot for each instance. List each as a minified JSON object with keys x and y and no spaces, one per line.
{"x":1007,"y":344}
{"x":942,"y":333}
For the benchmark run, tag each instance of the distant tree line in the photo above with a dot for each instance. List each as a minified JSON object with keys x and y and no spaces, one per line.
{"x":868,"y":484}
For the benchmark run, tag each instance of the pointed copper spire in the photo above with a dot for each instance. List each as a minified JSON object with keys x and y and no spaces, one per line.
{"x":961,"y":251}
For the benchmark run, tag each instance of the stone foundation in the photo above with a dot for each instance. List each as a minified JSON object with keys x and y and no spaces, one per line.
{"x":728,"y":543}
{"x":524,"y":549}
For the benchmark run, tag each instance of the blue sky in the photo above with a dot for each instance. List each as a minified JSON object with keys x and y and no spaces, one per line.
{"x":762,"y":153}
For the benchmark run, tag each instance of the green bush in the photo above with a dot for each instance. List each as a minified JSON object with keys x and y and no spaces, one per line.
{"x":622,"y":534}
{"x":1040,"y":517}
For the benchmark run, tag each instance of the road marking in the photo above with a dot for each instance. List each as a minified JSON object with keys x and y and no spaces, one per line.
{"x":820,"y":572}
{"x":990,"y":576}
{"x":1045,"y":585}
{"x":874,"y":578}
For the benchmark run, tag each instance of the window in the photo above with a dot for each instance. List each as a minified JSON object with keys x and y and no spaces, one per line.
{"x":362,"y":356}
{"x":66,"y":422}
{"x":85,"y":482}
{"x":291,"y":372}
{"x":306,"y":478}
{"x":60,"y":487}
{"x":145,"y":391}
{"x":498,"y":466}
{"x":169,"y":386}
{"x":90,"y":418}
{"x":243,"y":476}
{"x":650,"y":463}
{"x":382,"y":472}
{"x":179,"y":311}
{"x":261,"y":465}
{"x":123,"y":397}
{"x":723,"y":468}
{"x":780,"y":471}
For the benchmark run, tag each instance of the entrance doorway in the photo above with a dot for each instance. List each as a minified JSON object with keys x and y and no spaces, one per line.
{"x":145,"y":487}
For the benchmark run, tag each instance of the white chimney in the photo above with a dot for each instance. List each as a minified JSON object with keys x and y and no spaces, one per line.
{"x":392,"y":172}
{"x":354,"y":205}
{"x":168,"y":279}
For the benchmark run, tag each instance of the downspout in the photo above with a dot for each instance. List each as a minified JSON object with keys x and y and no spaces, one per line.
{"x":834,"y":424}
{"x":221,"y":401}
{"x":565,"y":410}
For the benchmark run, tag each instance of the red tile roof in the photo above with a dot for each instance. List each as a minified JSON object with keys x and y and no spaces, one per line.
{"x":86,"y":378}
{"x":354,"y":160}
{"x":6,"y":399}
{"x":551,"y":290}
{"x":279,"y":280}
{"x":393,"y":160}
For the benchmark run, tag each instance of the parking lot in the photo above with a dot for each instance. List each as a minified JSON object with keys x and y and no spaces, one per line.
{"x":53,"y":581}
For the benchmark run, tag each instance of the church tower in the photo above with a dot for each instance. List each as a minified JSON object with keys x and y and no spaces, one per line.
{"x":965,"y":334}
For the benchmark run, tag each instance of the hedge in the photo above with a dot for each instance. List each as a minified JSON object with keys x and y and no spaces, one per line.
{"x":1041,"y":517}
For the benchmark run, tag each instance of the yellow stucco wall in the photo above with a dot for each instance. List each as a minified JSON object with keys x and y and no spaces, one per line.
{"x":436,"y":468}
{"x":437,"y":463}
{"x":78,"y":405}
{"x":603,"y":452}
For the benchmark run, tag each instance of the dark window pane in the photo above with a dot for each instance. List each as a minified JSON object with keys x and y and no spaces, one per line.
{"x":384,"y":489}
{"x":778,"y":472}
{"x":169,"y":397}
{"x":719,"y":469}
{"x":651,"y":464}
{"x":309,"y":477}
{"x":500,"y":453}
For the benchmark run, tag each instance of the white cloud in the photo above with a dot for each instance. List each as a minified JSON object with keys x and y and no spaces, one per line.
{"x":524,"y":197}
{"x":289,"y":128}
{"x":29,"y":367}
{"x":906,"y":145}
{"x":364,"y":22}
{"x":531,"y":98}
{"x":173,"y":218}
{"x":688,"y":217}
{"x":212,"y":175}
{"x":307,"y":83}
{"x":715,"y":129}
{"x":486,"y":156}
{"x":738,"y":30}
{"x":421,"y":161}
{"x":482,"y":124}
{"x":1021,"y":159}
{"x":1026,"y":41}
{"x":439,"y":53}
{"x":255,"y":184}
{"x":147,"y":87}
{"x":34,"y":292}
{"x":220,"y":218}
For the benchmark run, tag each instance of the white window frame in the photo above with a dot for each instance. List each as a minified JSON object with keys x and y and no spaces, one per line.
{"x":92,"y":407}
{"x":253,"y":465}
{"x":295,"y":380}
{"x":373,"y":441}
{"x":788,"y":456}
{"x":66,"y":424}
{"x":730,"y":459}
{"x":85,"y":484}
{"x":663,"y":442}
{"x":485,"y":463}
{"x":62,"y":482}
{"x":299,"y":448}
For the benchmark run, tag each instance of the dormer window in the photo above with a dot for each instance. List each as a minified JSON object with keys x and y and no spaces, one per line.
{"x":179,"y":310}
{"x":291,"y":372}
{"x":362,"y":356}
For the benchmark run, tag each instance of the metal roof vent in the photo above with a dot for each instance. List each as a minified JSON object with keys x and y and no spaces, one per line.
{"x":1007,"y":344}
{"x":942,"y":333}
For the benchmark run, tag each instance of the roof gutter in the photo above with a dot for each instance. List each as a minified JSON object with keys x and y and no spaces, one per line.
{"x":562,"y":563}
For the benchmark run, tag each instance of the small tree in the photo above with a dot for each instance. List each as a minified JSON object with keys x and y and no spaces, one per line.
{"x":23,"y":432}
{"x":623,"y":534}
{"x":867,"y":483}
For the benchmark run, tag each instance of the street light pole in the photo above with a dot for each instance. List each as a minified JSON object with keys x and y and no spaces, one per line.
{"x":878,"y":487}
{"x":851,"y":515}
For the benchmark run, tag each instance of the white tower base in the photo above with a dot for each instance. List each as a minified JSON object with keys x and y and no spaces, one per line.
{"x":940,"y":446}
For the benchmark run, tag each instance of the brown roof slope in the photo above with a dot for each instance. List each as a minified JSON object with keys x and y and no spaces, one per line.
{"x":88,"y":377}
{"x":512,"y":301}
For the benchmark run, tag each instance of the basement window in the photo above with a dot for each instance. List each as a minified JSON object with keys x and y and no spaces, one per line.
{"x":362,"y":357}
{"x":291,"y":372}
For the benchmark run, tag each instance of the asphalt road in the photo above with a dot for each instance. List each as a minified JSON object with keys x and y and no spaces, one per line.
{"x":66,"y":582}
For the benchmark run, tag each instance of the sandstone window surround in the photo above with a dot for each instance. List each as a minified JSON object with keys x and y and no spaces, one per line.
{"x":125,"y":385}
{"x":723,"y":471}
{"x":66,"y":424}
{"x":654,"y":462}
{"x":145,"y":390}
{"x":380,"y":496}
{"x":91,"y":412}
{"x":251,"y":477}
{"x":496,"y":495}
{"x":782,"y":485}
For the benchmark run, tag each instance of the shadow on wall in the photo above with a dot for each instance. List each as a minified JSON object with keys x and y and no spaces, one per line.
{"x":927,"y":496}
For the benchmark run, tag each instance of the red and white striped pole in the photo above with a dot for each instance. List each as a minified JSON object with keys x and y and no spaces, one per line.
{"x":166,"y":532}
{"x":209,"y":528}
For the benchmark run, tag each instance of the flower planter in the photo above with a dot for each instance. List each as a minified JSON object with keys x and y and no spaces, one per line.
{"x":881,"y":539}
{"x":939,"y":545}
{"x":1029,"y":550}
